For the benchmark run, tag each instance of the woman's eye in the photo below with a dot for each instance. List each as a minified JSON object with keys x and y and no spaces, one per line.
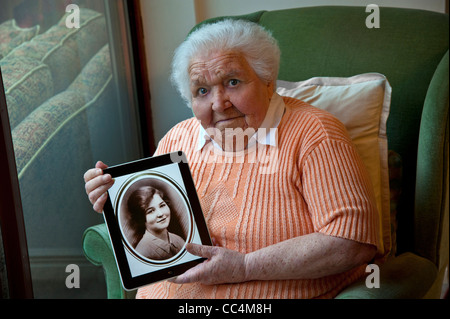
{"x":234,"y":82}
{"x":202,"y":91}
{"x":162,"y":205}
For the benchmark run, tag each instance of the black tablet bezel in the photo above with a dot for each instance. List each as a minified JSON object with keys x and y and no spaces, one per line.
{"x":128,"y":281}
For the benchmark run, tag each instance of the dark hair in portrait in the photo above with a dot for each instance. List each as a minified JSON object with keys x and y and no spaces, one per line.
{"x":136,"y":201}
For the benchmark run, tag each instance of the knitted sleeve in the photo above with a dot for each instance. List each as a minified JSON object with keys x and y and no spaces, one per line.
{"x":338,"y":191}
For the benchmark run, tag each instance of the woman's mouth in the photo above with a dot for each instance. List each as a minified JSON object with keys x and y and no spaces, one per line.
{"x":230,"y":122}
{"x":162,"y":220}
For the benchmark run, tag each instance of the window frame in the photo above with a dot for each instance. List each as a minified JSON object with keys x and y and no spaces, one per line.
{"x":12,"y":225}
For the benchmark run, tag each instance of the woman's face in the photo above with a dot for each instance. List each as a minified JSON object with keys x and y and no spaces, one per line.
{"x":157,"y":216}
{"x":227,"y":94}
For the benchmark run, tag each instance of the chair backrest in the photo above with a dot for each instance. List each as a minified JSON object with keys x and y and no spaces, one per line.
{"x":410,"y":48}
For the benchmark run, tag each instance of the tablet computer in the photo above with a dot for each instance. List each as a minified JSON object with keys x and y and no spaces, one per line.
{"x":151,"y":213}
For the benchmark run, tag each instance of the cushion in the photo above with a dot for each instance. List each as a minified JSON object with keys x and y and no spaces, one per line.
{"x":362,"y":104}
{"x":94,"y":75}
{"x":39,"y":69}
{"x":62,"y":61}
{"x":40,"y":126}
{"x":65,"y":50}
{"x":90,"y":37}
{"x":11,"y":36}
{"x":27,"y":82}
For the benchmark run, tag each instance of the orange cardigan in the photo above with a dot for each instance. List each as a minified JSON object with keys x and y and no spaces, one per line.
{"x":314,"y":181}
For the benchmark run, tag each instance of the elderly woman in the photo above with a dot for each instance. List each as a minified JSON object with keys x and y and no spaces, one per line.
{"x":306,"y":228}
{"x":150,"y":214}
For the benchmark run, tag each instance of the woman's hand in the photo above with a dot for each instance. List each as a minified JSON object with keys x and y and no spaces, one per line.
{"x":305,"y":257}
{"x":222,"y":266}
{"x":97,"y":185}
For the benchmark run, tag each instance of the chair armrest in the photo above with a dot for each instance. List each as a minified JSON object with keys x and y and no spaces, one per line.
{"x":98,"y":250}
{"x":406,"y":276}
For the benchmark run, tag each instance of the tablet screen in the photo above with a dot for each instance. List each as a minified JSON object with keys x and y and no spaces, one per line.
{"x":152,"y":211}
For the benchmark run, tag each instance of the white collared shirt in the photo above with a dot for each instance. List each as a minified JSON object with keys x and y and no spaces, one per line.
{"x":266,"y":133}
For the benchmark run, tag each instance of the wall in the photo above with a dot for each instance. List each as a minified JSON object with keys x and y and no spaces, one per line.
{"x":167,"y":22}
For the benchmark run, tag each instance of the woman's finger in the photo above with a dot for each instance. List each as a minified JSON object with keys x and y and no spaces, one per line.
{"x":94,"y":172}
{"x":97,"y":185}
{"x":200,"y":250}
{"x":98,"y":188}
{"x":98,"y":182}
{"x":193,"y":274}
{"x":101,"y":165}
{"x":100,"y":203}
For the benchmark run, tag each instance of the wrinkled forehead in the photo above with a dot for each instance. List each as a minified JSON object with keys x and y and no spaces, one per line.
{"x":205,"y":67}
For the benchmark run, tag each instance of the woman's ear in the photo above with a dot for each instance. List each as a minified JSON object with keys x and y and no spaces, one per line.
{"x":270,"y":88}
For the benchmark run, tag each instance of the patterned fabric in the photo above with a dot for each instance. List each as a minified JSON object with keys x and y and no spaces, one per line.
{"x":38,"y":69}
{"x":94,"y":75}
{"x":316,"y":183}
{"x":62,"y":61}
{"x":65,"y":50}
{"x":12,"y":36}
{"x":28,"y":83}
{"x":34,"y":131}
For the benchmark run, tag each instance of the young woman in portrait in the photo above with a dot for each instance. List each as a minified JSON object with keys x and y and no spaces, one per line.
{"x":150,"y":213}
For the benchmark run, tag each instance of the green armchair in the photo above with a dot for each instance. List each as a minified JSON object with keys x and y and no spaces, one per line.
{"x":411,"y":49}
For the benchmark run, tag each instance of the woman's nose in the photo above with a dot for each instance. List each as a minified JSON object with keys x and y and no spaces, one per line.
{"x":221,"y":100}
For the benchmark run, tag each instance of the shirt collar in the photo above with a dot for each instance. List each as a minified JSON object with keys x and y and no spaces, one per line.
{"x":266,"y":133}
{"x":162,"y":244}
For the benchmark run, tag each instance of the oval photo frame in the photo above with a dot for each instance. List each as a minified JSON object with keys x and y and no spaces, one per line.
{"x":181,"y":221}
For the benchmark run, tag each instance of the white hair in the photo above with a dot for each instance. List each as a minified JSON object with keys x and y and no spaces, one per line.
{"x":251,"y":40}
